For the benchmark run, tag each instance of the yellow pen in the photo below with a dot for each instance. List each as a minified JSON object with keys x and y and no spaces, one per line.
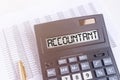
{"x":22,"y":71}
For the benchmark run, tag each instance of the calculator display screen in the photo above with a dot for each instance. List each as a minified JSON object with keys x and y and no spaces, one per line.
{"x":72,"y":39}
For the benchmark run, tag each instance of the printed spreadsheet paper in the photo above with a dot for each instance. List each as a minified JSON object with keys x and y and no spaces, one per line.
{"x":18,"y":42}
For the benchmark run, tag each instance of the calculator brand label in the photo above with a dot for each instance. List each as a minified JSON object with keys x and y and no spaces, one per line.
{"x":72,"y":39}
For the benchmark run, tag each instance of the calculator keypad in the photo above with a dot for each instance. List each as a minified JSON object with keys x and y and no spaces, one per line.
{"x":79,"y":68}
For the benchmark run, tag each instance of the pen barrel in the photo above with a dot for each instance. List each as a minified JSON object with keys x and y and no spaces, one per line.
{"x":22,"y":71}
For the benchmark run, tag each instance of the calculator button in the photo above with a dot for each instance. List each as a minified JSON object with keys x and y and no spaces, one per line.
{"x":53,"y":79}
{"x":113,"y":78}
{"x":107,"y":61}
{"x":72,"y":59}
{"x":97,"y":63}
{"x":74,"y":68}
{"x":51,"y":72}
{"x":110,"y":70}
{"x":102,"y":79}
{"x":62,"y":61}
{"x":66,"y":77}
{"x":85,"y":66}
{"x":100,"y":72}
{"x":64,"y":70}
{"x":87,"y":75}
{"x":83,"y":57}
{"x":76,"y":76}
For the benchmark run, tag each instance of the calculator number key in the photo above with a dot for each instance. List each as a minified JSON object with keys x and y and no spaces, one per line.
{"x":66,"y":77}
{"x":87,"y":75}
{"x":76,"y":76}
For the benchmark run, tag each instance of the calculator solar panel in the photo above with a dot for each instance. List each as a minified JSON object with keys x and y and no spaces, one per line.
{"x":76,"y":49}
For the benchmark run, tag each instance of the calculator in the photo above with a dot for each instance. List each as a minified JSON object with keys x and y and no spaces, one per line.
{"x":76,"y":49}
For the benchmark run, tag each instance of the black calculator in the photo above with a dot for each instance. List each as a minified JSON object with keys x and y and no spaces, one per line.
{"x":76,"y":49}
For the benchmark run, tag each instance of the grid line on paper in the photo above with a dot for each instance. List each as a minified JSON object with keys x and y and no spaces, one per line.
{"x":7,"y":57}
